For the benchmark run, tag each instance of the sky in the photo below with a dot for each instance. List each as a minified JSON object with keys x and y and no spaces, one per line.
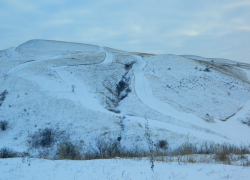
{"x":208,"y":28}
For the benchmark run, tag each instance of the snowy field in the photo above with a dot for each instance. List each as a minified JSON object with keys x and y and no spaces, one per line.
{"x":85,"y":92}
{"x":29,"y":169}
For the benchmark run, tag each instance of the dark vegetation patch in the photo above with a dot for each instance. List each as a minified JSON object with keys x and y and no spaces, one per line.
{"x":45,"y":137}
{"x":3,"y":96}
{"x":163,"y":144}
{"x":128,"y":66}
{"x":7,"y":153}
{"x":4,"y":125}
{"x":117,"y":90}
{"x":107,"y":148}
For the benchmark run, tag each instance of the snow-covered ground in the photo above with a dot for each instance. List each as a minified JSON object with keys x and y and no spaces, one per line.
{"x":89,"y":92}
{"x":27,"y":169}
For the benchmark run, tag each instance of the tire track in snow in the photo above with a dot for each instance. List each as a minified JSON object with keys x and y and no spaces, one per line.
{"x":145,"y":94}
{"x":88,"y":100}
{"x":109,"y":55}
{"x":180,"y":129}
{"x":81,"y":93}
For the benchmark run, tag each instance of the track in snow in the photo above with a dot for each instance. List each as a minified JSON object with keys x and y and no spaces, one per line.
{"x":227,"y":128}
{"x":144,"y":93}
{"x":81,"y":93}
{"x":109,"y":55}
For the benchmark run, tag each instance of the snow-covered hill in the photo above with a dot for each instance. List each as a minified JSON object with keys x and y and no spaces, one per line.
{"x":89,"y":91}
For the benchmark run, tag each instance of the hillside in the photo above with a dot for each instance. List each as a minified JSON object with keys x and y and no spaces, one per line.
{"x":90,"y":91}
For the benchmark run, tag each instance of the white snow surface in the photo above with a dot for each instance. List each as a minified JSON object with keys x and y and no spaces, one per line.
{"x":27,"y":169}
{"x":77,"y":88}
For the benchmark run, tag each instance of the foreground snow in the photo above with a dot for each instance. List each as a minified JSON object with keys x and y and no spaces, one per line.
{"x":25,"y":169}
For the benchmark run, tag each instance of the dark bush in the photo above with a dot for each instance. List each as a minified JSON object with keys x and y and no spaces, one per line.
{"x":128,"y":66}
{"x":207,"y":69}
{"x":120,"y":87}
{"x":163,"y":144}
{"x":3,"y":95}
{"x":7,"y":153}
{"x":4,"y":125}
{"x":43,"y":138}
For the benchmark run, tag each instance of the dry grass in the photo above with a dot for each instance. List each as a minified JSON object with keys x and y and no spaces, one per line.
{"x":70,"y":151}
{"x":226,"y":69}
{"x":107,"y":148}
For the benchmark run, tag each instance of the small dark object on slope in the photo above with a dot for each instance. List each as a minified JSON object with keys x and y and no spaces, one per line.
{"x":207,"y":69}
{"x":3,"y":96}
{"x":4,"y":125}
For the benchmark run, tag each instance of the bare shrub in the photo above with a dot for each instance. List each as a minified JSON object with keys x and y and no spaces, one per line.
{"x":68,"y":150}
{"x":4,"y":125}
{"x":222,"y":156}
{"x":108,"y":148}
{"x":207,"y":148}
{"x":186,"y":149}
{"x":191,"y":160}
{"x":246,"y":162}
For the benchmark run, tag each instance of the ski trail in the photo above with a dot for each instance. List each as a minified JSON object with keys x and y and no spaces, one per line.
{"x":80,"y":92}
{"x":144,"y":93}
{"x":109,"y":56}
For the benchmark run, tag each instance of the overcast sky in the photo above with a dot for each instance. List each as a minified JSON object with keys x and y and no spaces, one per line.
{"x":209,"y":28}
